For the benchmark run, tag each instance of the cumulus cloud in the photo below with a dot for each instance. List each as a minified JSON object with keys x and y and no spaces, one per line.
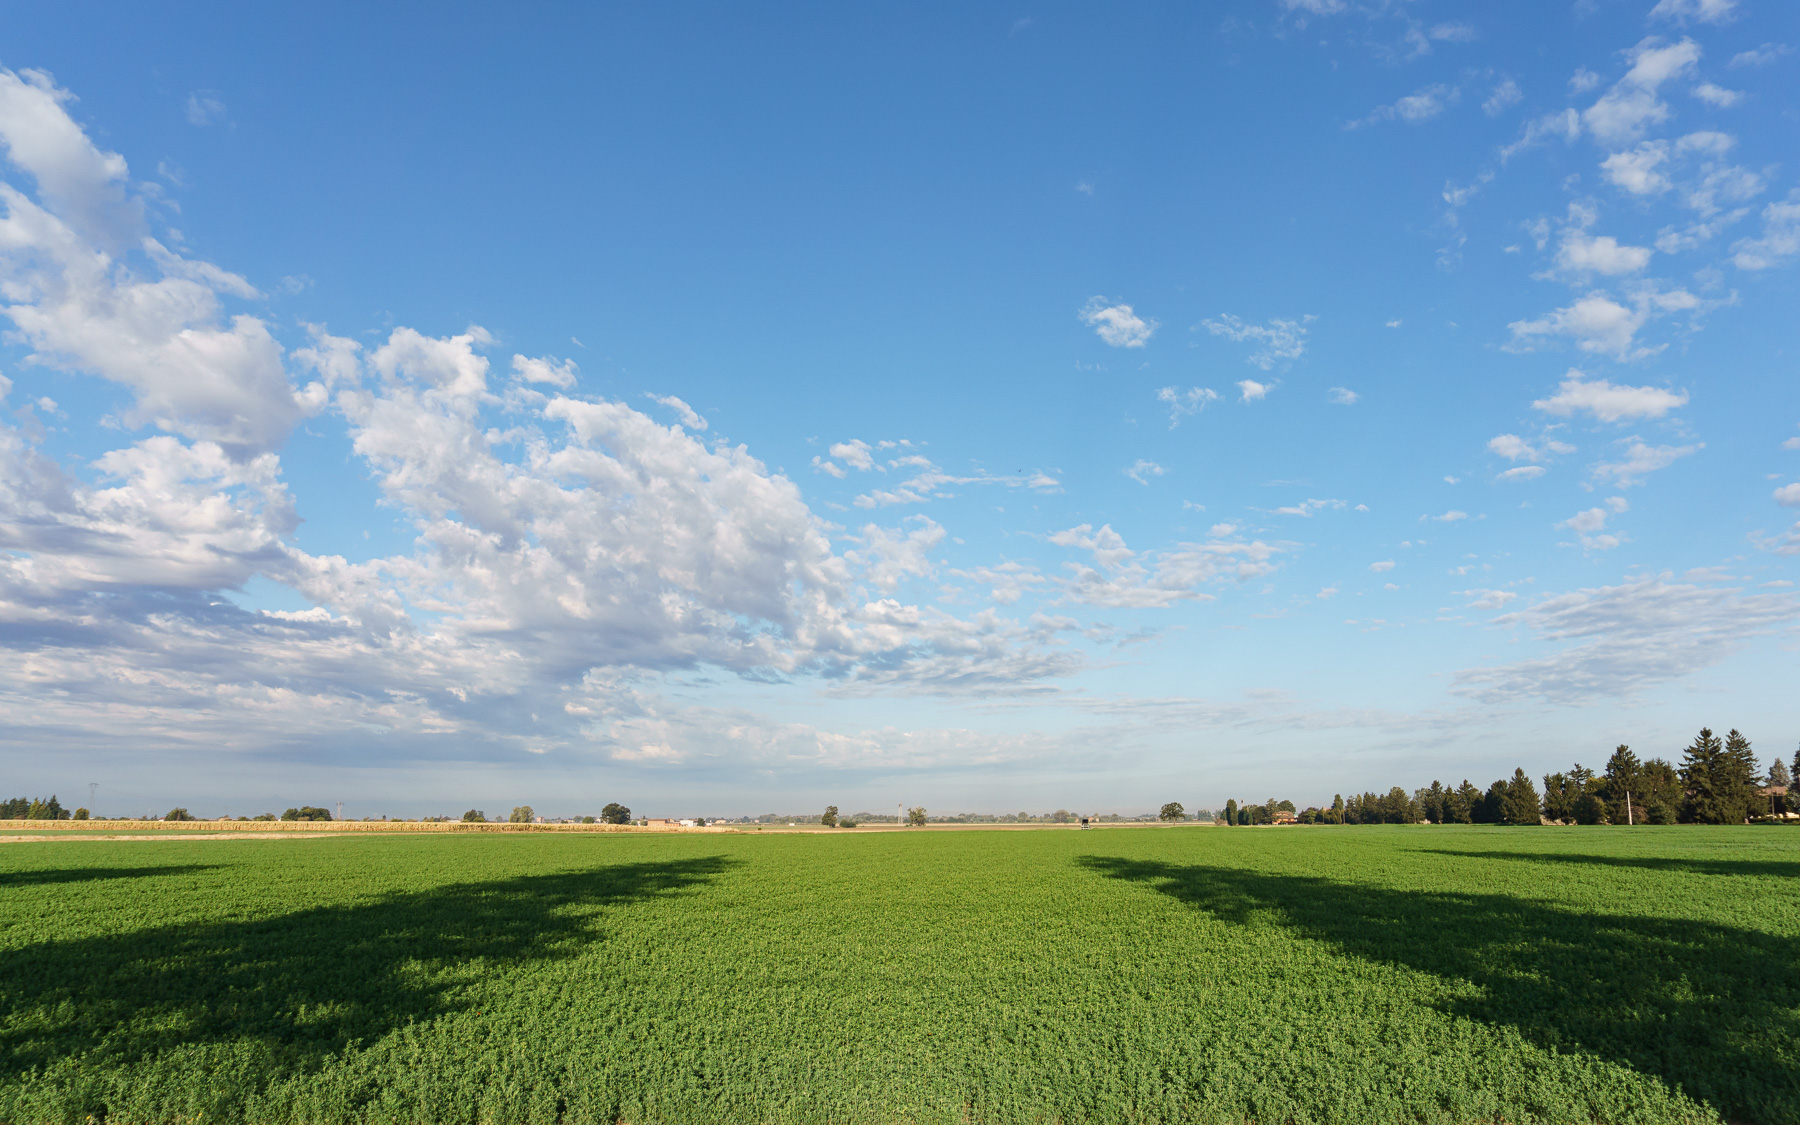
{"x":1382,"y":566}
{"x":1641,"y":460}
{"x":1602,"y":254}
{"x":1760,"y":56}
{"x":565,"y":547}
{"x":682,"y":410}
{"x":1488,"y":599}
{"x":1637,"y":170}
{"x":1598,"y":323}
{"x":1608,"y":402}
{"x":1699,"y":11}
{"x":1515,"y":448}
{"x":1780,"y":239}
{"x":1143,"y":470}
{"x":1788,"y":495}
{"x":1590,"y":527}
{"x":1343,"y":396}
{"x":1718,"y":96}
{"x":1116,"y":323}
{"x":1121,"y":578}
{"x":1182,"y":404}
{"x":160,"y":330}
{"x":1275,"y":342}
{"x":1622,"y":113}
{"x":545,"y":369}
{"x":1614,"y":641}
{"x":1249,"y":390}
{"x":1506,"y":95}
{"x":1417,"y":107}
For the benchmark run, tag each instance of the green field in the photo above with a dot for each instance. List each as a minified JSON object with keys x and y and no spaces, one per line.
{"x":1127,"y":975}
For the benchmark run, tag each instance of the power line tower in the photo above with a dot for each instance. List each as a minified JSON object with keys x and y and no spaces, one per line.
{"x":93,"y":787}
{"x":340,"y":810}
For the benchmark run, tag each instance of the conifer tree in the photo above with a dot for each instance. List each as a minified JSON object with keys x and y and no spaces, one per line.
{"x":1519,"y":801}
{"x":1337,"y":809}
{"x":1559,"y":802}
{"x":1463,"y":803}
{"x":1621,"y":789}
{"x":1740,"y":780}
{"x":1703,"y":773}
{"x":1231,"y":812}
{"x":1588,"y":808}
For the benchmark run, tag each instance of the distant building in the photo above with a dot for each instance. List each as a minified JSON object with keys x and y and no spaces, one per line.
{"x":662,"y":822}
{"x":1283,"y":816}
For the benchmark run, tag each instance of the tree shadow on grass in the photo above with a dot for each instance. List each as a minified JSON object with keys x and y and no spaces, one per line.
{"x":84,"y":874}
{"x":300,"y":986}
{"x":1756,"y":867}
{"x":1711,"y":1009}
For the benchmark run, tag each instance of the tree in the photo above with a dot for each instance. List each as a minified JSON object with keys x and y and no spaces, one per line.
{"x":1559,"y":799}
{"x":307,"y":812}
{"x":1586,"y":805}
{"x":1231,"y":811}
{"x":41,"y":809}
{"x":82,"y":814}
{"x":829,"y":817}
{"x":1432,"y":802}
{"x":1662,"y":791}
{"x":1519,"y":803}
{"x":521,"y":814}
{"x":474,"y":816}
{"x":178,"y":814}
{"x":1337,"y":809}
{"x":615,"y":813}
{"x":1487,"y":810}
{"x":1621,"y":787}
{"x":264,"y":816}
{"x":915,"y":817}
{"x":1720,"y":779}
{"x":1778,"y":777}
{"x":1461,"y":803}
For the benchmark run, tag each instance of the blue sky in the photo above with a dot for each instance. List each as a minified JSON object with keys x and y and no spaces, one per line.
{"x":976,"y":407}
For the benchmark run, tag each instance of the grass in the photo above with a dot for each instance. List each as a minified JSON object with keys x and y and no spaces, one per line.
{"x":1134,"y":975}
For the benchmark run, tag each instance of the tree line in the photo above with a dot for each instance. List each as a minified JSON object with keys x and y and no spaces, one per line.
{"x":1719,"y":781}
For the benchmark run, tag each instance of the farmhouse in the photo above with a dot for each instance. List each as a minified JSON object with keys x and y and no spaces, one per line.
{"x":662,"y":822}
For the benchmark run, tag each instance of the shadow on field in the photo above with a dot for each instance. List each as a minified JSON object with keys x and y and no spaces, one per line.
{"x":1759,"y":867}
{"x":84,"y":874}
{"x":1706,"y":1007}
{"x":301,"y":986}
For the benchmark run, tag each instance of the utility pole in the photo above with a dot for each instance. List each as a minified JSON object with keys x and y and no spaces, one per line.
{"x":1629,"y":821}
{"x":93,"y":786}
{"x":900,"y":814}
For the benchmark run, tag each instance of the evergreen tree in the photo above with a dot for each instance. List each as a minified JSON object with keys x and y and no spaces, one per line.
{"x":1460,"y":805}
{"x":1587,"y":806}
{"x":1662,"y":791}
{"x":1780,"y":778}
{"x":1487,"y":810}
{"x":1710,"y":775}
{"x":1559,"y":798}
{"x":1621,"y":788}
{"x":1432,"y":805}
{"x":1231,"y":812}
{"x":1519,"y":801}
{"x":1337,"y":809}
{"x":1740,"y":780}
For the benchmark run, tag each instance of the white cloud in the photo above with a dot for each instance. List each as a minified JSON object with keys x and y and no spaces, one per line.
{"x":159,"y":329}
{"x":1505,"y":96}
{"x":1523,"y":472}
{"x":1122,"y":578}
{"x":682,"y":410}
{"x":1451,"y":516}
{"x":1780,"y":238}
{"x":1788,"y":495}
{"x":1583,"y":80}
{"x":1116,"y":324}
{"x":1622,"y":113}
{"x":1183,"y":403}
{"x":856,"y":453}
{"x":1315,"y":7}
{"x":1622,"y":639}
{"x":545,"y":369}
{"x":1564,"y":124}
{"x":1718,"y":96}
{"x":1382,"y":566}
{"x":1488,"y":599}
{"x":1306,"y":508}
{"x":1580,"y":253}
{"x":1249,"y":390}
{"x":1274,"y":342}
{"x":1006,"y":582}
{"x":1700,"y":11}
{"x":1609,"y":402}
{"x":1515,"y":448}
{"x":1760,"y":56}
{"x":1326,"y":593}
{"x":1636,"y":170}
{"x":1416,"y":108}
{"x":1642,"y":460}
{"x":889,"y":556}
{"x":927,"y":481}
{"x":1588,"y":526}
{"x":1599,"y":324}
{"x":1144,"y":470}
{"x":204,"y":108}
{"x":1343,"y":396}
